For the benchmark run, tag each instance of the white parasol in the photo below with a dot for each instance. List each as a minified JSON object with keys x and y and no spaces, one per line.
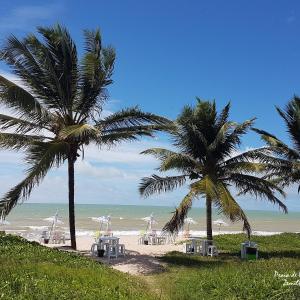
{"x":150,"y":222}
{"x":103,"y":220}
{"x":54,"y":220}
{"x":220,"y":222}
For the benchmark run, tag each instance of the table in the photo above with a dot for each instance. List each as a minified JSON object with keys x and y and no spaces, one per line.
{"x":110,"y":244}
{"x":108,"y":238}
{"x":111,"y":240}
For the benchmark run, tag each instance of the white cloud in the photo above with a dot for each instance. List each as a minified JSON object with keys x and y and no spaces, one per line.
{"x":126,"y":153}
{"x":84,"y":167}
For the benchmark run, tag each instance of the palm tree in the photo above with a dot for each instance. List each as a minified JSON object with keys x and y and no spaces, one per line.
{"x":207,"y":144}
{"x":58,"y":108}
{"x":289,"y":157}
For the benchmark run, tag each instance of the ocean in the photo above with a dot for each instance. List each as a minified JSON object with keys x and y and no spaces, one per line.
{"x":127,"y":219}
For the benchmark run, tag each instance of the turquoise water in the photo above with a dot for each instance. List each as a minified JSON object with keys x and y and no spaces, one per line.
{"x":128,"y":217}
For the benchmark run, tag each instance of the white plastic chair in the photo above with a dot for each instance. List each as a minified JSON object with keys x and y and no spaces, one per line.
{"x":188,"y":248}
{"x":121,"y":250}
{"x":44,"y":235}
{"x":212,"y":251}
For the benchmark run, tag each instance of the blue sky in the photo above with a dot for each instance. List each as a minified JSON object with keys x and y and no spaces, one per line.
{"x":168,"y":52}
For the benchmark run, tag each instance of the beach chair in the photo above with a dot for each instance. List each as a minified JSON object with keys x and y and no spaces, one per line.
{"x":205,"y":245}
{"x":99,"y":246}
{"x":58,"y":237}
{"x":121,"y":250}
{"x":94,"y":249}
{"x":197,"y":244}
{"x":188,"y":248}
{"x":170,"y":238}
{"x":44,"y":236}
{"x":112,"y":250}
{"x":212,"y":251}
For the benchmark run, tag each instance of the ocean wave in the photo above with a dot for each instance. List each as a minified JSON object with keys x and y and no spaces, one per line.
{"x":181,"y":233}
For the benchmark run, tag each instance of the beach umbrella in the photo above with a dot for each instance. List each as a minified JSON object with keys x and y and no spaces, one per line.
{"x":189,"y":221}
{"x":150,"y":222}
{"x":54,"y":220}
{"x":103,"y":220}
{"x":220,"y":222}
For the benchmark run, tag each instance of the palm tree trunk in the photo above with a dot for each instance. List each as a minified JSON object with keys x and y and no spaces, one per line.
{"x":71,"y":201}
{"x":208,"y":219}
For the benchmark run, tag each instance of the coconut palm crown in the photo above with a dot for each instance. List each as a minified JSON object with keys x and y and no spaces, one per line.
{"x":288,"y":156}
{"x":57,"y":108}
{"x":207,"y":143}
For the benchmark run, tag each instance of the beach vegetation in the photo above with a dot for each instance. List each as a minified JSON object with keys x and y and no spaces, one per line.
{"x":57,"y":107}
{"x":288,"y":156}
{"x":208,"y":157}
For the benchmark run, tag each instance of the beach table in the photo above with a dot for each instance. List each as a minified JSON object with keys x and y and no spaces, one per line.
{"x":197,"y":244}
{"x":161,"y":240}
{"x":110,"y":244}
{"x":112,"y":240}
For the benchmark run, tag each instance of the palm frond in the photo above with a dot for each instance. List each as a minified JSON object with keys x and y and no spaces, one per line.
{"x":60,"y":59}
{"x":133,"y":117}
{"x":173,"y":160}
{"x":157,"y":184}
{"x":291,"y":116}
{"x":113,"y":139}
{"x":277,"y":146}
{"x":182,"y":163}
{"x":18,"y":125}
{"x":177,"y":220}
{"x":258,"y":187}
{"x":205,"y":187}
{"x":222,"y":118}
{"x":79,"y":132}
{"x":42,"y":157}
{"x":228,"y":206}
{"x":253,"y":167}
{"x":22,"y":102}
{"x":221,"y":136}
{"x":96,"y":71}
{"x":30,"y":63}
{"x":16,"y":141}
{"x":159,"y":153}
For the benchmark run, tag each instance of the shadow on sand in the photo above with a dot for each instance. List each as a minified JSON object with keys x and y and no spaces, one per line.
{"x":133,"y":262}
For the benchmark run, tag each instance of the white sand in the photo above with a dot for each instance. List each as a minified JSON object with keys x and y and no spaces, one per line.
{"x":139,"y":259}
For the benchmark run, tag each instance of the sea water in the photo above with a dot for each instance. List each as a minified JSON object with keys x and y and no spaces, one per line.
{"x":127,"y":219}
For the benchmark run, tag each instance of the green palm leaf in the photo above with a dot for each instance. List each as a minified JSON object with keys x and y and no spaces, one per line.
{"x":206,"y":142}
{"x":157,"y":184}
{"x":41,"y":157}
{"x":58,"y":109}
{"x":177,"y":221}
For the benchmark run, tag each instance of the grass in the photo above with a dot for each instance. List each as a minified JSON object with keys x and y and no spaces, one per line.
{"x":227,"y":277}
{"x":30,"y":271}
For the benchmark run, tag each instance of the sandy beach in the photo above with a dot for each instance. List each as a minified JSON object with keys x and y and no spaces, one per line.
{"x":139,"y":259}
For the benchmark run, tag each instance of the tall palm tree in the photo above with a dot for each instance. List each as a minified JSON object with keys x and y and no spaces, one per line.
{"x":289,"y":157}
{"x":58,"y":108}
{"x":207,"y":143}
